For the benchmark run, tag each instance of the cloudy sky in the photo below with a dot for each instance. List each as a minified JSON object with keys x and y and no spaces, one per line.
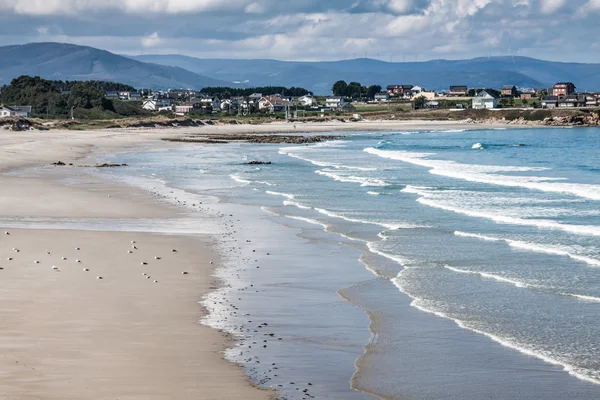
{"x":314,"y":29}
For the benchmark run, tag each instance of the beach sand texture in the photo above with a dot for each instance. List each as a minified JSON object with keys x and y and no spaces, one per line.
{"x":98,"y":318}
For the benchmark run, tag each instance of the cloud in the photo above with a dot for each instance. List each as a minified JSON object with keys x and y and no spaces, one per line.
{"x":310,"y":29}
{"x":150,"y":41}
{"x":551,"y":6}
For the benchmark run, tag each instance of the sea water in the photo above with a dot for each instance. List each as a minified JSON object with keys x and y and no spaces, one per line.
{"x":474,"y":254}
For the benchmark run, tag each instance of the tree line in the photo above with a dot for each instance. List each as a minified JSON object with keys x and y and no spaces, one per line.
{"x":51,"y":98}
{"x":228,"y":92}
{"x":354,"y":90}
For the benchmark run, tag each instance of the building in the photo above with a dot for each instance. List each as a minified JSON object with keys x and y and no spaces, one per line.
{"x":549,"y":101}
{"x":563,"y":89}
{"x":571,"y":101}
{"x":431,"y":95}
{"x":591,"y":100}
{"x":183,"y":109}
{"x":527,"y":95}
{"x":15,"y":111}
{"x":307,"y":101}
{"x":137,"y":96}
{"x":335,"y":102}
{"x":484,"y":100}
{"x":157,"y":105}
{"x":509,"y":91}
{"x":209,"y":103}
{"x":458,"y":91}
{"x":382,"y":97}
{"x":112,"y":95}
{"x":398,"y":90}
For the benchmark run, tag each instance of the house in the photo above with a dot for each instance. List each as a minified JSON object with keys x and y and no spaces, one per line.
{"x":137,"y":96}
{"x":591,"y":100}
{"x":335,"y":102}
{"x":274,"y":104}
{"x":185,"y":108}
{"x":484,"y":100}
{"x":563,"y":89}
{"x":571,"y":101}
{"x":112,"y":95}
{"x":398,"y":90}
{"x":15,"y":111}
{"x":209,"y":103}
{"x":431,"y":95}
{"x":527,"y":95}
{"x":307,"y":101}
{"x":549,"y":101}
{"x":382,"y":97}
{"x":509,"y":91}
{"x":458,"y":91}
{"x":157,"y":105}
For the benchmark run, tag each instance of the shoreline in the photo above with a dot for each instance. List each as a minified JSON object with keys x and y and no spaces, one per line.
{"x":123,"y":319}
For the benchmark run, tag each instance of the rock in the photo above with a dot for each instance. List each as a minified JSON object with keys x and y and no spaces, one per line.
{"x":59,"y":163}
{"x":259,"y":163}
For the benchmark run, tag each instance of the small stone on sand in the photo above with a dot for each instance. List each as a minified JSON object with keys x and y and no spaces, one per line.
{"x":64,"y":258}
{"x":157,"y":258}
{"x":78,"y":261}
{"x":98,"y":277}
{"x":86,"y":269}
{"x":155,"y":281}
{"x":9,"y":258}
{"x":36,"y":262}
{"x":144,"y":263}
{"x":54,"y":267}
{"x":6,"y":233}
{"x":184,"y":273}
{"x":77,"y":248}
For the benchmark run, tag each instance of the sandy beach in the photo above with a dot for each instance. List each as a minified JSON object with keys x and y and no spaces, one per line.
{"x":102,"y":315}
{"x":112,"y":315}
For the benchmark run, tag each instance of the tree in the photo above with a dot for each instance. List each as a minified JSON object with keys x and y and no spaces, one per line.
{"x":340,"y":88}
{"x":525,"y":102}
{"x":511,"y":101}
{"x":419,"y":102}
{"x":354,"y":89}
{"x":373,"y":90}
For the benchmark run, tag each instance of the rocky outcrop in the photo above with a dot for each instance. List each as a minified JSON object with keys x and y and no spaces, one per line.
{"x":253,"y":138}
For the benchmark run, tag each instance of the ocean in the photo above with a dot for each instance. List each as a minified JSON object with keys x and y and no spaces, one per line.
{"x":401,"y":265}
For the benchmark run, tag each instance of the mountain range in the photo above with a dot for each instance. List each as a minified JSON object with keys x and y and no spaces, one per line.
{"x":72,"y":62}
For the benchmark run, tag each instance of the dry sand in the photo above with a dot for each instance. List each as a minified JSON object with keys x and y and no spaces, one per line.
{"x":65,"y":333}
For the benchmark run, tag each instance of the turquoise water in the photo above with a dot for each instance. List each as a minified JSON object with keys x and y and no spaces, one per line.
{"x":493,"y":233}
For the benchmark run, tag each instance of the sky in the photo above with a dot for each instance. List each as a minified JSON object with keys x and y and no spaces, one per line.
{"x":314,"y":30}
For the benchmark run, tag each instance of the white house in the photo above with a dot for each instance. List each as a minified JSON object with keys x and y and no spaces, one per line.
{"x":307,"y":101}
{"x":15,"y":111}
{"x":335,"y":102}
{"x":212,"y":103}
{"x":382,"y":97}
{"x":157,"y":105}
{"x":484,"y":100}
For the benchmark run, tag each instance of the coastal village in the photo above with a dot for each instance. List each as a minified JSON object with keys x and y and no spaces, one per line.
{"x":183,"y":102}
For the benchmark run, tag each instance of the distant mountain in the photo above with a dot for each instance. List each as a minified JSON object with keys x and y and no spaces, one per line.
{"x":437,"y":74}
{"x":70,"y":62}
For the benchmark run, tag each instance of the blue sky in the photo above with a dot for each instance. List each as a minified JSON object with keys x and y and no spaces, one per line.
{"x":314,"y":29}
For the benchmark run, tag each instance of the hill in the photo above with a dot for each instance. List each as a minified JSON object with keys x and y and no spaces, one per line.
{"x":436,"y":74}
{"x":60,"y":61}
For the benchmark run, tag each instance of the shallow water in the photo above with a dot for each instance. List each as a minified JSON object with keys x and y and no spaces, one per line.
{"x":495,"y":248}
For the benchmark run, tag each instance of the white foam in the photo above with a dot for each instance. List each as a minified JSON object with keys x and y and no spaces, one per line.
{"x":296,"y":204}
{"x":309,"y":220}
{"x":477,"y":146}
{"x":535,"y":248}
{"x":489,"y":174}
{"x":583,"y":297}
{"x":373,"y":249}
{"x":391,"y":227}
{"x":366,"y":182}
{"x":288,"y":196}
{"x":238,"y":179}
{"x":501,"y":219}
{"x":488,"y":275}
{"x":570,"y":369}
{"x":329,"y":164}
{"x":373,"y":193}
